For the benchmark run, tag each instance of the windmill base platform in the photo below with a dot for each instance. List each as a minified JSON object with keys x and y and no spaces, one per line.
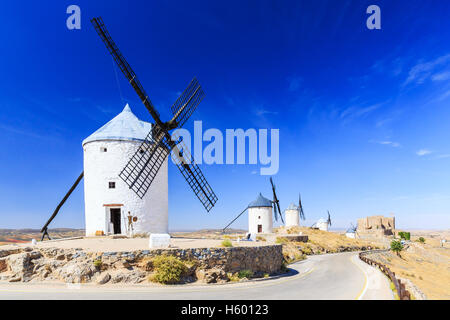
{"x":124,"y":244}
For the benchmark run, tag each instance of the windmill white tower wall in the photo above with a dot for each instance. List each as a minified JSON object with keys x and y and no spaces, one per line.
{"x":350,"y":234}
{"x":108,"y":199}
{"x":292,"y":216}
{"x":260,"y":216}
{"x":322,"y":224}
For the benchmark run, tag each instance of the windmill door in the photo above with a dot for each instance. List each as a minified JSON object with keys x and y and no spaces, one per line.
{"x":259,"y":228}
{"x":115,"y":220}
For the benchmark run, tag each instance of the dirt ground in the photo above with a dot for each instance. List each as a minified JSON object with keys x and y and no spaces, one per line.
{"x":106,"y":244}
{"x":318,"y":241}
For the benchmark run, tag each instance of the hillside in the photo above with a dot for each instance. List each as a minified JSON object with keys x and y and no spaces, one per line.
{"x":427,"y":266}
{"x":8,"y":236}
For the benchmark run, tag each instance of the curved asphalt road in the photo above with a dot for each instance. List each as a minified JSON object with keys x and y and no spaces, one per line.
{"x":332,"y":276}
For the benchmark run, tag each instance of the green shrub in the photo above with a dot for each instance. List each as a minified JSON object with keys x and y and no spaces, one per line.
{"x":281,"y":240}
{"x":396,"y":246}
{"x":168,"y":269}
{"x":405,"y":235}
{"x":98,"y":263}
{"x":227,"y":243}
{"x":245,"y":274}
{"x":422,"y":240}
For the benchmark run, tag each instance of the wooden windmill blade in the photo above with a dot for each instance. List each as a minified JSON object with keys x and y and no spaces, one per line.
{"x":125,"y":67}
{"x":186,"y":104}
{"x":276,"y":203}
{"x":194,"y":176}
{"x":142,"y":168}
{"x":300,"y":208}
{"x":44,"y":229}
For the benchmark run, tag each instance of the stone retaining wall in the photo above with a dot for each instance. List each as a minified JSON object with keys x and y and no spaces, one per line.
{"x":77,"y":266}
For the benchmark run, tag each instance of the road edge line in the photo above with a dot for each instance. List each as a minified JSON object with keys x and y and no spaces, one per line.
{"x":366,"y":279}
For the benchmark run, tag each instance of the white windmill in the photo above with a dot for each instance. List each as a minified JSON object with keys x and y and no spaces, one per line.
{"x":294,"y":213}
{"x":323,"y":224}
{"x":260,"y":213}
{"x":136,"y":152}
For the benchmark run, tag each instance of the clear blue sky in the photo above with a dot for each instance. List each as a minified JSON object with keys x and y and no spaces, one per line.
{"x":363,"y":115}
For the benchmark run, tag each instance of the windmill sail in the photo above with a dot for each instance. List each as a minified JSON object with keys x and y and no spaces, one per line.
{"x":124,"y":66}
{"x":186,"y":104}
{"x":276,"y":203}
{"x":194,"y":176}
{"x":300,"y":208}
{"x":143,"y":167}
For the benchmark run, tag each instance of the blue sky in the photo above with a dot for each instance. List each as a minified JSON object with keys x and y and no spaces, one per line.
{"x":363,"y":114}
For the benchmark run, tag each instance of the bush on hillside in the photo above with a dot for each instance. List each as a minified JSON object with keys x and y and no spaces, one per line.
{"x":397,"y":247}
{"x":405,"y":235}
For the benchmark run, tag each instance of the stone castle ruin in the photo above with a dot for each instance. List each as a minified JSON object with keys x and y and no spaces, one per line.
{"x":376,"y":226}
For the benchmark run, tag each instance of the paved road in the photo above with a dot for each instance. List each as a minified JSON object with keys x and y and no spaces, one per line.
{"x":333,"y":276}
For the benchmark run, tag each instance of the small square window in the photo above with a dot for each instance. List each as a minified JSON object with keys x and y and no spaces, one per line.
{"x":103,"y":149}
{"x":112,"y":185}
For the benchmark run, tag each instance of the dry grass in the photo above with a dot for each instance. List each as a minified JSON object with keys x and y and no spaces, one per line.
{"x":328,"y":241}
{"x":318,"y":242}
{"x":427,"y":266}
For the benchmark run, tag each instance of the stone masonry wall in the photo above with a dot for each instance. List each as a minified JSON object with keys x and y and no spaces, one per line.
{"x":77,"y":266}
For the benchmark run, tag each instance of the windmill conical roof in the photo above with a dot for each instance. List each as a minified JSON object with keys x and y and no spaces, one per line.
{"x":125,"y":126}
{"x":260,"y":202}
{"x":292,"y":207}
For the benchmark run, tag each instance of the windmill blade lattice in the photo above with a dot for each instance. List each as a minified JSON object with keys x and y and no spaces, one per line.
{"x":143,"y":167}
{"x":276,"y":203}
{"x":194,"y":176}
{"x":186,"y":104}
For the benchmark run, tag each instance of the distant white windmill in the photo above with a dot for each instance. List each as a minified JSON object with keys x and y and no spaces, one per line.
{"x":322,"y":224}
{"x":351,"y":232}
{"x":294,"y":213}
{"x":260,"y":213}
